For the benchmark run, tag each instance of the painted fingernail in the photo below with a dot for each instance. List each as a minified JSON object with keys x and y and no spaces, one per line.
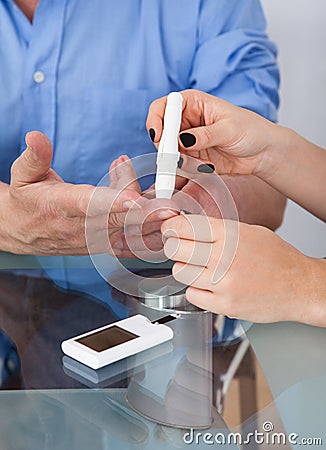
{"x":162,"y":215}
{"x":152,"y":133}
{"x":187,"y":139}
{"x":180,"y":162}
{"x":206,"y":168}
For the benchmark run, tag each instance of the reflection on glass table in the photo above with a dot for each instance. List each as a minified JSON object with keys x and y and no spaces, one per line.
{"x":55,"y":403}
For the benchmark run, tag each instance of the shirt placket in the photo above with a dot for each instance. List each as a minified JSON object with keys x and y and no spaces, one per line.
{"x":42,"y":58}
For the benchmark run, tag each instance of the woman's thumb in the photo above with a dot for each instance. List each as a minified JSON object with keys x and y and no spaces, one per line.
{"x":199,"y":138}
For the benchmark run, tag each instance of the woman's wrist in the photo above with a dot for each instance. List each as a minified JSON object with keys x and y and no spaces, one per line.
{"x":318,"y":291}
{"x":279,"y":144}
{"x":312,"y":293}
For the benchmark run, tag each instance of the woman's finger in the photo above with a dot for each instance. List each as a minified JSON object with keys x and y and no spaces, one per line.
{"x":154,"y":123}
{"x":205,"y":300}
{"x":194,"y":227}
{"x":190,"y":275}
{"x":190,"y":252}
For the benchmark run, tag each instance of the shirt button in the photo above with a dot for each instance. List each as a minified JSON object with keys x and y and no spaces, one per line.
{"x":38,"y":76}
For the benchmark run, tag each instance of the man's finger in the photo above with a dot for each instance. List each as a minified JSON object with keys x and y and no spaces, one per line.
{"x":123,"y":175}
{"x":154,"y":210}
{"x":95,"y":201}
{"x":144,"y":229}
{"x":150,"y":242}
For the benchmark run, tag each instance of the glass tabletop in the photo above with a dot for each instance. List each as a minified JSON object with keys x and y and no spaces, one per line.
{"x":166,"y":397}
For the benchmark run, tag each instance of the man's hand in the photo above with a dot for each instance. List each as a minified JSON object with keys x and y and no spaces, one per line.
{"x":40,"y":214}
{"x":142,"y":237}
{"x":137,"y":234}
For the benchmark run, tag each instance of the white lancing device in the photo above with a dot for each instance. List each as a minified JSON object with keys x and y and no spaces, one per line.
{"x":168,"y":153}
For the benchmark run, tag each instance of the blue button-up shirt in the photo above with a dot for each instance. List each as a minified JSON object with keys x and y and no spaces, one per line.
{"x":84,"y":73}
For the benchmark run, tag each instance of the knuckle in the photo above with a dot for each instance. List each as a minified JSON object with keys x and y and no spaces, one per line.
{"x":78,"y":197}
{"x":206,"y":135}
{"x":191,"y":295}
{"x":177,"y":271}
{"x":230,"y":306}
{"x":153,"y":108}
{"x":65,"y":234}
{"x":223,"y":305}
{"x":82,"y":203}
{"x":174,"y":226}
{"x":171,"y":247}
{"x":116,"y":220}
{"x":207,"y":256}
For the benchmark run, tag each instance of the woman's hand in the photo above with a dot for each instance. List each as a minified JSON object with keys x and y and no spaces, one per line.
{"x":268,"y":280}
{"x":234,"y":139}
{"x":238,"y":141}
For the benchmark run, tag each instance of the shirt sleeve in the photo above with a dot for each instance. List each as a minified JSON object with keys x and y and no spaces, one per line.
{"x":235,"y":60}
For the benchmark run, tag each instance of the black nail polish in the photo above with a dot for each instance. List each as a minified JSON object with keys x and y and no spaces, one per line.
{"x":180,"y":162}
{"x":206,"y":168}
{"x":152,"y":134}
{"x":187,"y":139}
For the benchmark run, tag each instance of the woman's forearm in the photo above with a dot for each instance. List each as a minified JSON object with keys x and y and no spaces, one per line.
{"x":296,"y":168}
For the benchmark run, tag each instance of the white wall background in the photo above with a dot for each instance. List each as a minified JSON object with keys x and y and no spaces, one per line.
{"x":298,"y":27}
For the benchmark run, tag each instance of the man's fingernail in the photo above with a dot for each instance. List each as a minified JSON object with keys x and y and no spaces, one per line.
{"x":27,"y":144}
{"x":26,"y":137}
{"x":187,"y":139}
{"x":206,"y":168}
{"x":152,"y":134}
{"x":180,"y":162}
{"x":166,"y":214}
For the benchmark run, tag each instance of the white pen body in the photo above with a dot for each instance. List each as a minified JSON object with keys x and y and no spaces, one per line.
{"x":168,"y":153}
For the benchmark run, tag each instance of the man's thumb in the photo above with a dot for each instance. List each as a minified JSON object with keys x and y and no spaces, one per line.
{"x":34,"y":163}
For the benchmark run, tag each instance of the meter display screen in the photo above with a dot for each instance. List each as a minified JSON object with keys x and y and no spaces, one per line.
{"x":108,"y":338}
